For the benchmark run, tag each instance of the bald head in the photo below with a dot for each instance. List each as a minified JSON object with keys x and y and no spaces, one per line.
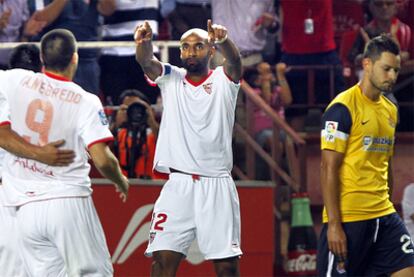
{"x":197,"y":32}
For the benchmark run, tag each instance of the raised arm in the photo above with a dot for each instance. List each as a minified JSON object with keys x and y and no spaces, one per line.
{"x":144,"y":52}
{"x":108,"y":166}
{"x":49,"y":154}
{"x":331,"y":162}
{"x":232,"y":64}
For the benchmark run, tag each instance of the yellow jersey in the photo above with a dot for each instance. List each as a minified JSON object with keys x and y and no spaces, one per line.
{"x":364,"y":131}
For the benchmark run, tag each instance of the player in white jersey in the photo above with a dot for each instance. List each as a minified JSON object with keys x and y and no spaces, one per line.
{"x":59,"y":230}
{"x":23,"y":56}
{"x":194,"y":145}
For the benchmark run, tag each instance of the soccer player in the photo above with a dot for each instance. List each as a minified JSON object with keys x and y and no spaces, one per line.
{"x":25,"y":56}
{"x":194,"y":146}
{"x":362,"y":233}
{"x":59,"y":230}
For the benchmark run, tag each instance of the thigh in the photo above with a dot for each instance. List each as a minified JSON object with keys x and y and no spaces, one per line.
{"x":39,"y":254}
{"x":393,"y":248}
{"x":218,"y":218}
{"x":359,"y":237}
{"x":11,"y":263}
{"x":77,"y":232}
{"x":172,"y":225}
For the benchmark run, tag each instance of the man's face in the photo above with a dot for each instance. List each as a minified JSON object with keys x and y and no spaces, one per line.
{"x":383,"y":9}
{"x":383,"y":72}
{"x":195,"y":54}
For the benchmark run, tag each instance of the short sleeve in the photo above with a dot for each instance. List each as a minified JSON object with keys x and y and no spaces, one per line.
{"x":336,"y":126}
{"x":4,"y":105}
{"x":94,"y":125}
{"x":408,"y":201}
{"x":165,"y":74}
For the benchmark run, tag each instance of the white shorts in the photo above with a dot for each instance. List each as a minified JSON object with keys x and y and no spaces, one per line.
{"x":63,"y":237}
{"x":11,"y":263}
{"x":207,"y":209}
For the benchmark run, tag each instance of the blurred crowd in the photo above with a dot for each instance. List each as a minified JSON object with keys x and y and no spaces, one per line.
{"x":297,"y":54}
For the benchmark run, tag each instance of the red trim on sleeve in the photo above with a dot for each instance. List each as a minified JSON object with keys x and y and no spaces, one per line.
{"x":149,"y":81}
{"x":55,"y":76}
{"x":5,"y":123}
{"x":108,"y":139}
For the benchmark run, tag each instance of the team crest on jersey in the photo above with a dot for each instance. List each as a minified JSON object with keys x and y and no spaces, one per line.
{"x":102,"y":117}
{"x":208,"y":88}
{"x":330,"y":129}
{"x":151,"y":237}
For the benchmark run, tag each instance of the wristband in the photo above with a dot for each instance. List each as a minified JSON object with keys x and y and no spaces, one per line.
{"x":221,"y":40}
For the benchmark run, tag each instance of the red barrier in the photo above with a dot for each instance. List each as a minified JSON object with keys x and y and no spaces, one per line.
{"x":127,"y":224}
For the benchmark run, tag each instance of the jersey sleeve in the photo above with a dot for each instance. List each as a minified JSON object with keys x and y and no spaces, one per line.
{"x":234,"y":86}
{"x":336,"y":126}
{"x":94,"y":126}
{"x":4,"y":105}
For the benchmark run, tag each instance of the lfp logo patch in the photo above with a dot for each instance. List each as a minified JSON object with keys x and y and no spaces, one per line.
{"x":330,"y":130}
{"x":102,"y":117}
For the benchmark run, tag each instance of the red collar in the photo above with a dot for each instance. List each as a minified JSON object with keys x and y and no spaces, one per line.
{"x":55,"y":76}
{"x":196,"y":84}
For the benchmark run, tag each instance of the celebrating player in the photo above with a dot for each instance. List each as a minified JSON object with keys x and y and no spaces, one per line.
{"x":194,"y":146}
{"x":363,"y":235}
{"x":59,"y":228}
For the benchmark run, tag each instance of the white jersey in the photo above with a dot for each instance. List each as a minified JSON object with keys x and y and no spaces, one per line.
{"x":45,"y":108}
{"x":197,"y":123}
{"x":408,"y":208}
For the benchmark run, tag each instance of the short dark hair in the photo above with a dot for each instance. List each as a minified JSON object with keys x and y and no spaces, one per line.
{"x":133,"y":93}
{"x":57,"y":49}
{"x":26,"y":56}
{"x":379,"y":45}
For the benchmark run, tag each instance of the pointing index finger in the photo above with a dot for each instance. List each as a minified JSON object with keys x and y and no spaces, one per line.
{"x":209,"y":26}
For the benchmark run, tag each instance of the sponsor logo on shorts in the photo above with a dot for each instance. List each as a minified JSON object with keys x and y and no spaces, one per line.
{"x":152,"y":237}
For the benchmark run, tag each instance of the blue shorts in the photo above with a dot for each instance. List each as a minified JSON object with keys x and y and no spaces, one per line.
{"x":378,"y":246}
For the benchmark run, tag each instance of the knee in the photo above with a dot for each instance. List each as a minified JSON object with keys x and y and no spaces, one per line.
{"x":228,"y":269}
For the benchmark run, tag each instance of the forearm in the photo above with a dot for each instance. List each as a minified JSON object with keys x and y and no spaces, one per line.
{"x":13,"y":143}
{"x":110,"y":168}
{"x":146,"y":59}
{"x":232,"y":63}
{"x":330,"y":192}
{"x":51,"y":11}
{"x":285,"y":93}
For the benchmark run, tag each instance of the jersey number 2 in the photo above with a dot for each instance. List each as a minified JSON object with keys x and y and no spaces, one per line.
{"x":161,"y":218}
{"x":39,"y":119}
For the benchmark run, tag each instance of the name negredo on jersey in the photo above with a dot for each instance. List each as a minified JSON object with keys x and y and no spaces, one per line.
{"x":45,"y":88}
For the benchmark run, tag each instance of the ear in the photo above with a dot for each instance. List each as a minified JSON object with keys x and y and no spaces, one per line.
{"x":366,"y":64}
{"x":75,"y":58}
{"x":212,"y":51}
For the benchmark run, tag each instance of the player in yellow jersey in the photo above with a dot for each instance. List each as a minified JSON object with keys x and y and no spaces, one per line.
{"x":362,"y":233}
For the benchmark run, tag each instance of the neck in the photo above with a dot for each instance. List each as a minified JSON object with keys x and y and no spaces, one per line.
{"x":369,"y":90}
{"x":196,"y":77}
{"x":67,"y":74}
{"x":384,"y":25}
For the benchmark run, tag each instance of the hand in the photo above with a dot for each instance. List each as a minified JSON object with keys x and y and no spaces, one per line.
{"x":121,"y":115}
{"x":265,"y":72}
{"x":4,"y":19}
{"x":123,"y":188}
{"x":143,"y":33}
{"x":51,"y":154}
{"x":337,"y":242}
{"x":268,"y":20}
{"x":281,"y":68}
{"x":216,"y":33}
{"x":33,"y":26}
